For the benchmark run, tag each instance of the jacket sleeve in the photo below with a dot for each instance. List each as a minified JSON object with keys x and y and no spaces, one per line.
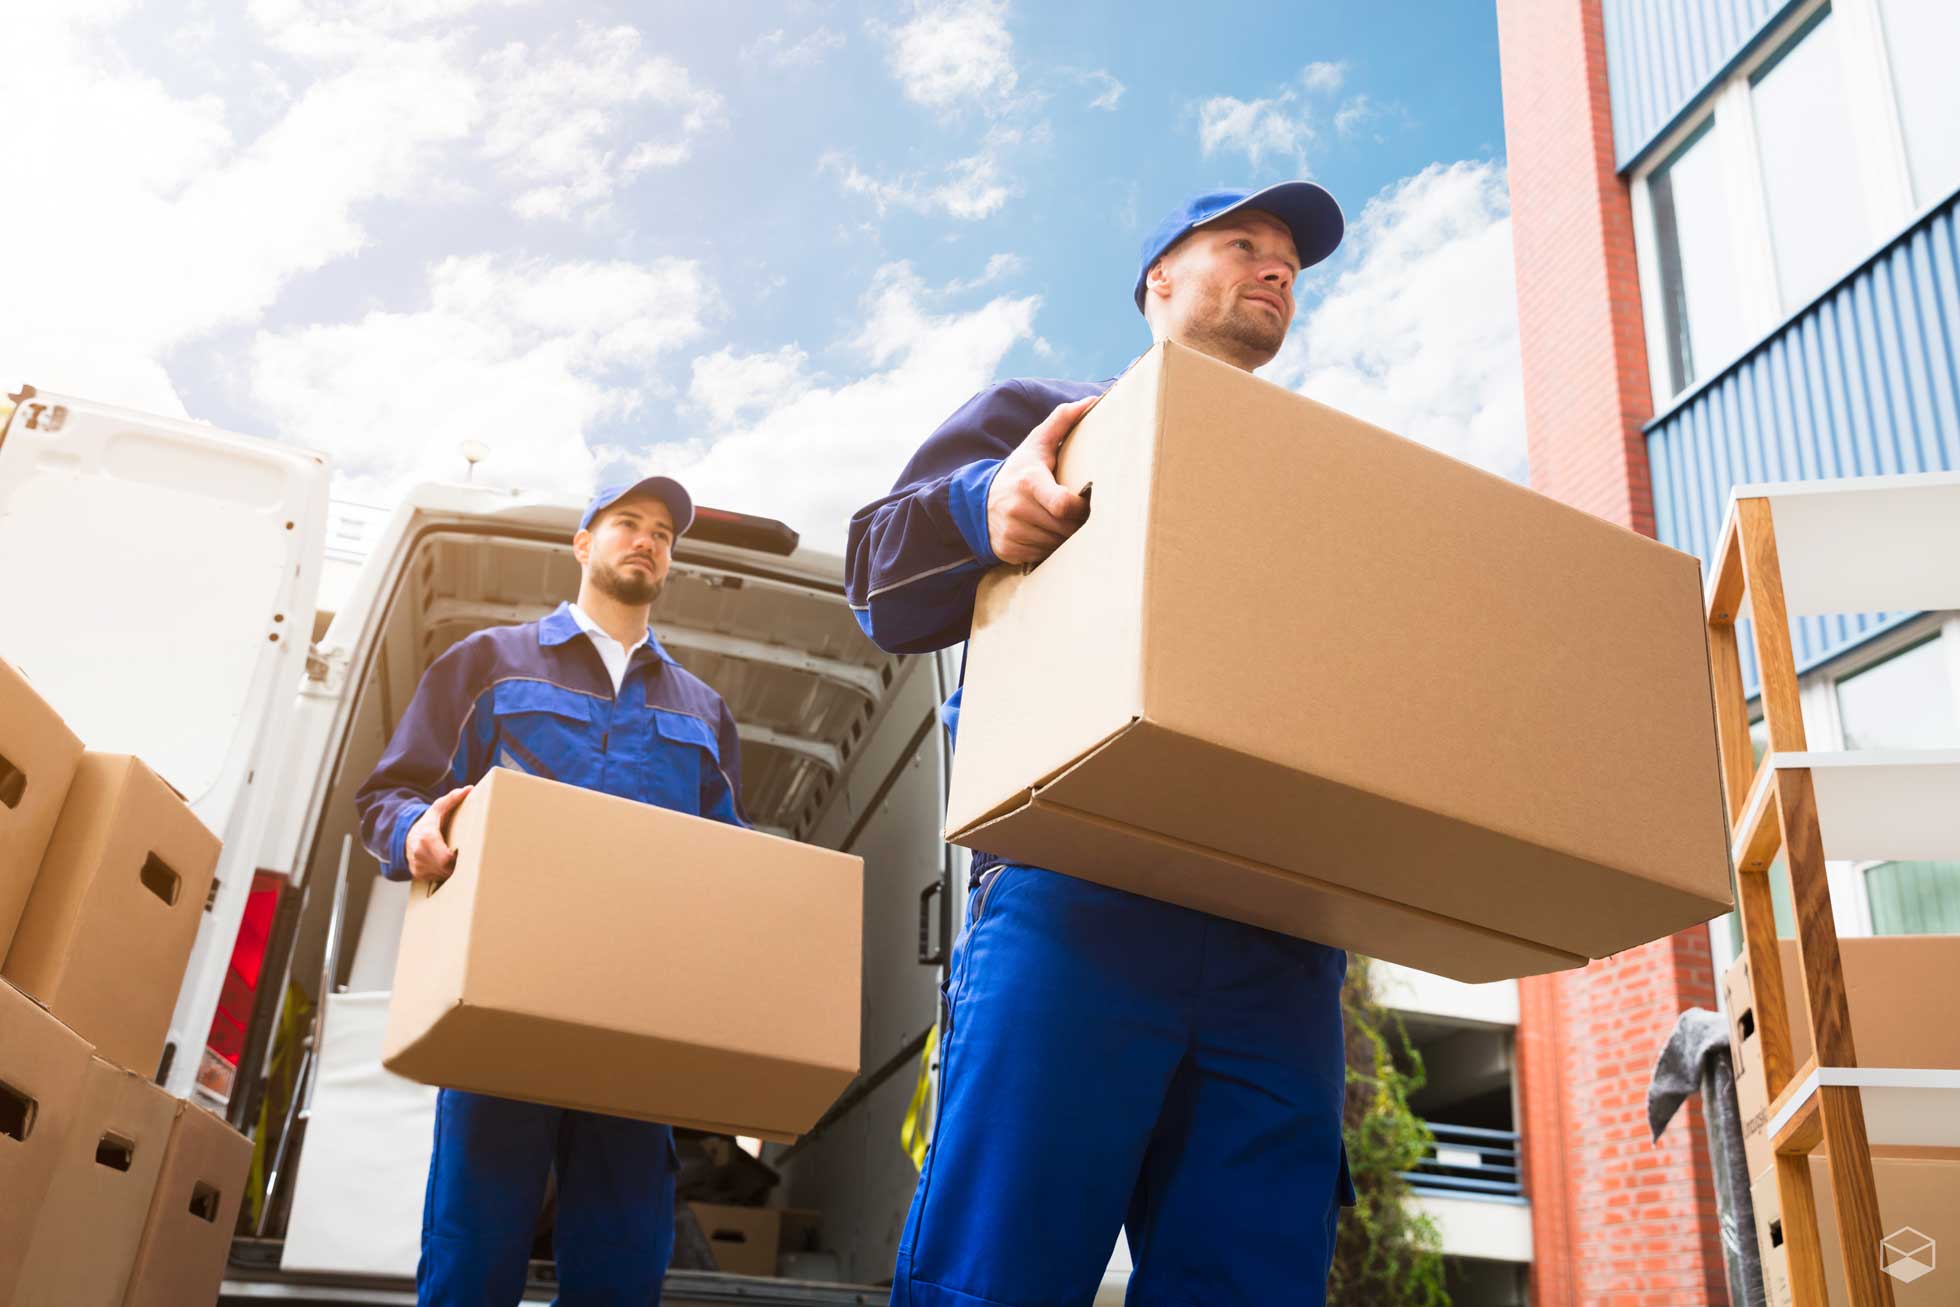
{"x":721,"y":789}
{"x":441,"y":744}
{"x":914,"y":558}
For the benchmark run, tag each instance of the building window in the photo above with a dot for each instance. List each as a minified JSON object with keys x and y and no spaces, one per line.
{"x":1809,"y":161}
{"x":1905,"y":702}
{"x":1914,"y":898}
{"x":1921,"y":37}
{"x":1697,"y":269}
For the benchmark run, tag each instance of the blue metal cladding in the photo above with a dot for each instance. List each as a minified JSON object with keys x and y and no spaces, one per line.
{"x":1664,"y":56}
{"x":1863,"y":382}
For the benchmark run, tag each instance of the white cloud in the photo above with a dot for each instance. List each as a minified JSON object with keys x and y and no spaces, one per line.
{"x":775,"y":50}
{"x":527,"y":357}
{"x":1419,"y":335}
{"x":1323,"y":76}
{"x":562,"y":116}
{"x":971,"y":188}
{"x":1258,"y":129}
{"x":823,"y":451}
{"x":1352,"y":114}
{"x":1109,"y":90}
{"x":953,"y":51}
{"x":727,"y":384}
{"x":999,"y":268}
{"x":162,"y":226}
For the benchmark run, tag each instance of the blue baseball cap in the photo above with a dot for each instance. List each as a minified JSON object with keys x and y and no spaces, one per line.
{"x":1308,"y":210}
{"x":667,"y":490}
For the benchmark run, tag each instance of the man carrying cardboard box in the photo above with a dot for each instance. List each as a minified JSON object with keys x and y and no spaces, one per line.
{"x":1111,"y":1061}
{"x":588,"y":697}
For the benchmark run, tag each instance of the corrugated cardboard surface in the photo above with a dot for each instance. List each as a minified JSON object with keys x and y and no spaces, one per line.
{"x":38,"y":754}
{"x":1423,"y":671}
{"x":1923,"y":1193}
{"x":187,"y":1235}
{"x":745,"y":1240}
{"x":43,"y":1065}
{"x":1898,"y":989}
{"x":86,"y":1235}
{"x":612,"y":956}
{"x":98,"y":945}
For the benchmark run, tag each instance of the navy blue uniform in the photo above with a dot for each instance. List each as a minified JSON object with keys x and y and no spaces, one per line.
{"x":1110,"y":1062}
{"x":537,"y":697}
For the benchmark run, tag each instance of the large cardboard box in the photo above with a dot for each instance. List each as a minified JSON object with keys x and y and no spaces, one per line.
{"x":86,"y":1233}
{"x":596,"y":953}
{"x":1304,"y":673}
{"x":110,"y":925}
{"x":1918,"y":1200}
{"x":42,"y":1067}
{"x":193,"y":1212}
{"x":38,"y":754}
{"x":1902,"y":1015}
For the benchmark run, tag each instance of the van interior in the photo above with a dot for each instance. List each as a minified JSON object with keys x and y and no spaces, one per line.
{"x":840,"y":747}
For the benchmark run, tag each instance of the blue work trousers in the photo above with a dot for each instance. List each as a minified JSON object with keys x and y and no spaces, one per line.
{"x":615,"y":1229}
{"x":1112,"y":1062}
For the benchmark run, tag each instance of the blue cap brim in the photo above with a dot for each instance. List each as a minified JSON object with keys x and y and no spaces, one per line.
{"x":667,"y":490}
{"x":1311,"y":214}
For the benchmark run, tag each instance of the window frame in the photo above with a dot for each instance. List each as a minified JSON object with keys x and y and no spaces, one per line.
{"x":1883,"y":178}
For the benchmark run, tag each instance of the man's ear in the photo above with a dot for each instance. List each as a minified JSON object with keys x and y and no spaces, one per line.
{"x":582,"y":546}
{"x":1158,"y":280}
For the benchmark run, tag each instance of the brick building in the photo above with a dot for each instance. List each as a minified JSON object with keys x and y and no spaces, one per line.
{"x":1737,"y":261}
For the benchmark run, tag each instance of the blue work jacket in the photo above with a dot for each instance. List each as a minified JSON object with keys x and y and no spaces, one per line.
{"x":914,"y":559}
{"x":537,"y":697}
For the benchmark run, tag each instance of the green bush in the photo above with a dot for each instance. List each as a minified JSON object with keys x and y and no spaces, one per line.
{"x":1387,"y":1255}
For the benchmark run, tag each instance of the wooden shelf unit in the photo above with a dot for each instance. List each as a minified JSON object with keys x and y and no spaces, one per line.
{"x":1868,"y":544}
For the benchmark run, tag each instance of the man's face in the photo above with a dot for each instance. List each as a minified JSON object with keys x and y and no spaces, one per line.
{"x":1231,"y":283}
{"x":628,"y":549}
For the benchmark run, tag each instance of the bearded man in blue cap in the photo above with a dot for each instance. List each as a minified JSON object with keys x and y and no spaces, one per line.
{"x":586,"y":696}
{"x":1111,"y":1062}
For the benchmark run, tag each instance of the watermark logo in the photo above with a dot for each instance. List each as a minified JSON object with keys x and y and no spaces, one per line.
{"x":1906,"y":1254}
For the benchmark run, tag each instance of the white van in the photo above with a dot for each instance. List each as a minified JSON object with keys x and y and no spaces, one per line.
{"x":158,"y":583}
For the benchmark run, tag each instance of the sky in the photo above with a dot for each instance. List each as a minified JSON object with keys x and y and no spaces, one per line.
{"x":762,"y":245}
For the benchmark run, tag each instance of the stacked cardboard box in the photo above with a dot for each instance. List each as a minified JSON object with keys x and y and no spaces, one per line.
{"x":1895,"y":990}
{"x":104,"y":872}
{"x":1300,"y":672}
{"x":752,"y":1240}
{"x":1901,"y":1015}
{"x":593,"y":932}
{"x":38,"y":755}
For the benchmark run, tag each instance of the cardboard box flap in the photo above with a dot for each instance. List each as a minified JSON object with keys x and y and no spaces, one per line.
{"x":1022,"y":798}
{"x":1261,"y":812}
{"x":1024,"y":712}
{"x":1210,"y":880}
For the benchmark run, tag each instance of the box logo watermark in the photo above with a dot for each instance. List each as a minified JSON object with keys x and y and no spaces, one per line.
{"x":1906,"y":1254}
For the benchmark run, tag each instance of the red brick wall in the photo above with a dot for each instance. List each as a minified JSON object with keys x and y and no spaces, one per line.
{"x":1617,"y":1221}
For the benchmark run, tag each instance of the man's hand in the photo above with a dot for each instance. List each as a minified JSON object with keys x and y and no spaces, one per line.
{"x":1029,"y":513}
{"x":429,"y":854}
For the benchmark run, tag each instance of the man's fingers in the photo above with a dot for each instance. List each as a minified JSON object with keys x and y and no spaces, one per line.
{"x":450,"y":800}
{"x":1058,"y":424}
{"x":1061,"y":503}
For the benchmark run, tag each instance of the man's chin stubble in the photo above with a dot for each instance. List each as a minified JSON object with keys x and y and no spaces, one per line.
{"x":626,"y":590}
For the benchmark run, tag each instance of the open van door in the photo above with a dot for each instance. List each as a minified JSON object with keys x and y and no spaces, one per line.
{"x":157,"y":582}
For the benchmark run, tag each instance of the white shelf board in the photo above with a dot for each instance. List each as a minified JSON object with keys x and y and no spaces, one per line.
{"x":1865,"y":544}
{"x":1904,"y":1106}
{"x":1879,"y":804}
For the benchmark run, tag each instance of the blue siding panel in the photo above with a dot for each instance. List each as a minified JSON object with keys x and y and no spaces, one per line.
{"x":1664,"y":56}
{"x":1865,"y":381}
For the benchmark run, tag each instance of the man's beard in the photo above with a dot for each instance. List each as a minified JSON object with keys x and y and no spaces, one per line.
{"x":1244,"y":327}
{"x":629,"y":588}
